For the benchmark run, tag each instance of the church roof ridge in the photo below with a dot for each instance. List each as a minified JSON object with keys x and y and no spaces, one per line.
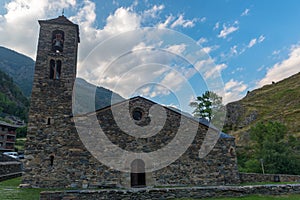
{"x":59,"y":20}
{"x":202,"y":121}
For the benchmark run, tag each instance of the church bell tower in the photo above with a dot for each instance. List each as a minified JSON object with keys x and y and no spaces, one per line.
{"x":51,"y":133}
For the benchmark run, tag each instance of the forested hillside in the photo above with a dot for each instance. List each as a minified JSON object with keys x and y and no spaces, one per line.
{"x":12,"y":100}
{"x":19,"y":67}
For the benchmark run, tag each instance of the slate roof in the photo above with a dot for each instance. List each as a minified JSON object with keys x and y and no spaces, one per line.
{"x":59,"y":20}
{"x":2,"y":123}
{"x":202,"y":121}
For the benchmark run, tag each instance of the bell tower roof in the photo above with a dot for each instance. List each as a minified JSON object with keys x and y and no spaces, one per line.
{"x":62,"y":20}
{"x":59,"y":20}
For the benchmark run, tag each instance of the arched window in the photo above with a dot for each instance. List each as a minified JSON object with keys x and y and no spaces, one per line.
{"x":138,"y":176}
{"x":55,"y":69}
{"x":58,"y":38}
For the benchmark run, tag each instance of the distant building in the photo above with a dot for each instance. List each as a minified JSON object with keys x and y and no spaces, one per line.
{"x":7,"y":136}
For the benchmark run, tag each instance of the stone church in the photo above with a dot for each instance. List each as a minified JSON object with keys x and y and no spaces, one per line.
{"x":65,"y":150}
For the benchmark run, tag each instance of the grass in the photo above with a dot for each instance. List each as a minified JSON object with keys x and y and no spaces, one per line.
{"x":20,"y":144}
{"x":256,"y":197}
{"x":9,"y":191}
{"x":267,"y":183}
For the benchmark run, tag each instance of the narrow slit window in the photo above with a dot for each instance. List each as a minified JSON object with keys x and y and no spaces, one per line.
{"x":52,"y":69}
{"x":48,"y":121}
{"x":58,"y":69}
{"x":51,"y":160}
{"x":55,"y":69}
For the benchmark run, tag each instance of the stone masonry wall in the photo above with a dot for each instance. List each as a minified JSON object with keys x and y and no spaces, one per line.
{"x":55,"y":156}
{"x":172,"y":193}
{"x":10,"y":169}
{"x":218,"y":167}
{"x":254,"y":178}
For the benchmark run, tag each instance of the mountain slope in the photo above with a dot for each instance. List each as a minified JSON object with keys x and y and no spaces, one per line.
{"x":19,"y":67}
{"x":86,"y":93}
{"x":276,"y":102}
{"x":12,"y":100}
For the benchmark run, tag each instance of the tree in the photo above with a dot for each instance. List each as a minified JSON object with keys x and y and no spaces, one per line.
{"x":210,"y":107}
{"x":21,"y":132}
{"x":272,"y":146}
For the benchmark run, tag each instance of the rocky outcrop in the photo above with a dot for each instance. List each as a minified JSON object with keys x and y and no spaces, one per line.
{"x":238,"y":116}
{"x":274,"y":102}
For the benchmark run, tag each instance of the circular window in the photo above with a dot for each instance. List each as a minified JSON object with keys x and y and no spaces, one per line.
{"x":137,"y":115}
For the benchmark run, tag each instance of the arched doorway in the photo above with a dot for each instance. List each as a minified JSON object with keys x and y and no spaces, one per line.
{"x":137,"y":175}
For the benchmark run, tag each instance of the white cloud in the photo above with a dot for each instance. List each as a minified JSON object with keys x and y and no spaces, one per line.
{"x":255,"y":41}
{"x":201,"y":41}
{"x":177,"y":49}
{"x":153,"y":12}
{"x":85,"y":17}
{"x":173,"y":22}
{"x":276,"y":52}
{"x":228,"y":30}
{"x":261,"y":39}
{"x":215,"y":70}
{"x":246,"y":12}
{"x":233,"y":50}
{"x":260,"y":68}
{"x":19,"y":27}
{"x":239,"y":69}
{"x":208,"y":49}
{"x":235,"y":85}
{"x":121,"y":21}
{"x":217,"y":25}
{"x":180,"y":21}
{"x":203,"y":19}
{"x":169,"y":80}
{"x":283,"y":69}
{"x":252,"y":42}
{"x":234,"y":90}
{"x":166,"y":23}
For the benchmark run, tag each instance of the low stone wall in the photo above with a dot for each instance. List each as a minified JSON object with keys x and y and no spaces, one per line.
{"x":10,"y":170}
{"x":170,"y":193}
{"x":254,"y":178}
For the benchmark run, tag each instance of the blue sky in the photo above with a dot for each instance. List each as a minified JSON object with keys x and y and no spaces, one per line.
{"x":248,"y":43}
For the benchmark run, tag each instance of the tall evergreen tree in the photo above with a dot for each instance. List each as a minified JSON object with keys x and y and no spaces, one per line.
{"x":209,"y":106}
{"x":205,"y":105}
